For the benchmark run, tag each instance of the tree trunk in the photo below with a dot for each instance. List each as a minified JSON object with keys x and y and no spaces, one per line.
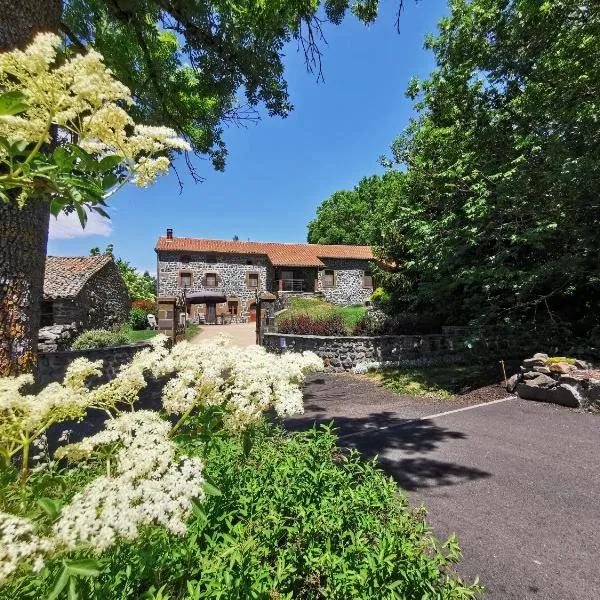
{"x":23,"y":232}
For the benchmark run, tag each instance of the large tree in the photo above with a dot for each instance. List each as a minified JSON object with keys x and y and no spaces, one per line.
{"x":185,"y":62}
{"x":361,"y":215}
{"x":501,"y":218}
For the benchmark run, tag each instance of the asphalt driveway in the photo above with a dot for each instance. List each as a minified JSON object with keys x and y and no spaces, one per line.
{"x":518,"y":481}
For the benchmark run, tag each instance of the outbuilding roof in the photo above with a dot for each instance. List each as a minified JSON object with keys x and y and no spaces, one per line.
{"x":65,"y":276}
{"x":284,"y":255}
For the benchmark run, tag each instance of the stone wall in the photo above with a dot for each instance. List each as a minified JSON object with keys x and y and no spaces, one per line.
{"x":344,"y":353}
{"x":232,"y":271}
{"x":56,"y":337}
{"x":53,"y":365}
{"x":348,"y":288}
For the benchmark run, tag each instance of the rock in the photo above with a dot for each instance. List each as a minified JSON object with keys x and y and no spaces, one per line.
{"x":541,"y":381}
{"x":511,"y":384}
{"x":582,"y":364}
{"x":544,"y":370}
{"x":531,"y":375}
{"x":569,"y":379}
{"x":534,"y":362}
{"x":532,"y":392}
{"x":567,"y":395}
{"x":562,"y":367}
{"x":540,"y":356}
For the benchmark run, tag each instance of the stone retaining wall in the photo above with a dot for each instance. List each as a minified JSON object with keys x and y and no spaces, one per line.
{"x":344,"y":353}
{"x":53,"y":365}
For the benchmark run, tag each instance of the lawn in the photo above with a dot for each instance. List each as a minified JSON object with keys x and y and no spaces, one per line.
{"x":438,"y":382}
{"x":140,"y":335}
{"x":317,"y":308}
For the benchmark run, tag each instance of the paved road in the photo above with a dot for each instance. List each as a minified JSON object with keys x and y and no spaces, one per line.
{"x":241,"y":334}
{"x":518,"y":481}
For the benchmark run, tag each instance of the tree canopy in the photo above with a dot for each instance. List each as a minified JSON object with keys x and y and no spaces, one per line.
{"x":499,"y":217}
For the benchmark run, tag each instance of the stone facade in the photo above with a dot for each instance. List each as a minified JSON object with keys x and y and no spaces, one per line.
{"x":96,"y":299}
{"x":52,"y":366}
{"x":232,"y":275}
{"x":233,"y":272}
{"x":56,"y":337}
{"x":345,"y":353}
{"x":349,"y":281}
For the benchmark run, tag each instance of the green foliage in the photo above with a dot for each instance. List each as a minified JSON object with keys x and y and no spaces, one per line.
{"x":139,"y":335}
{"x":185,"y":61}
{"x":380,"y":296}
{"x":138,"y":318}
{"x":359,"y":216}
{"x":191,"y":330}
{"x":558,"y":359}
{"x":316,"y":308}
{"x":285,"y":517}
{"x":99,"y":338}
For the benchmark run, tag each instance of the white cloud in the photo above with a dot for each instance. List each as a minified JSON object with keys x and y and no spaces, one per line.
{"x":66,"y":227}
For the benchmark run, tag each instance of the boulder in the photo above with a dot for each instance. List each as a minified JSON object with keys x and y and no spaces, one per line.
{"x":511,"y":384}
{"x":540,"y":356}
{"x":541,"y":380}
{"x":567,"y":395}
{"x":530,"y":375}
{"x":562,"y":367}
{"x":582,"y":364}
{"x":529,"y":363}
{"x":532,"y":392}
{"x":544,"y":370}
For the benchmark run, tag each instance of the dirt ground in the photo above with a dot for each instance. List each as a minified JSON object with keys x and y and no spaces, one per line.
{"x":241,"y":334}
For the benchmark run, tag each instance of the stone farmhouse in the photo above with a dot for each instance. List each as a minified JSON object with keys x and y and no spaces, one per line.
{"x":80,"y":292}
{"x":224,"y":277}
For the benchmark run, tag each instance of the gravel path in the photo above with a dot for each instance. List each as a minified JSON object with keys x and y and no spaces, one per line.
{"x":241,"y":334}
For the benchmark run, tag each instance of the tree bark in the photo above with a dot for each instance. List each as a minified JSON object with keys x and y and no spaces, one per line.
{"x":23,"y":231}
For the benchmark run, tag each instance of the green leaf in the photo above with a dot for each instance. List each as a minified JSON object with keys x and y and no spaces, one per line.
{"x":109,"y":162}
{"x":211,"y":490}
{"x":87,"y":567}
{"x":12,"y":103}
{"x":50,"y":507}
{"x":60,"y":584}
{"x":73,"y":595}
{"x":109,"y":181}
{"x":81,"y":214}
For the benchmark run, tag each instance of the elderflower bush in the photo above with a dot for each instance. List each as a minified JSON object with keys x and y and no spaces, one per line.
{"x":147,"y":481}
{"x":42,"y":92}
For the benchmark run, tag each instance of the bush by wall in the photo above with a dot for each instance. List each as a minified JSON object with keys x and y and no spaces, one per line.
{"x":305,"y":325}
{"x":99,"y":338}
{"x":138,"y":319}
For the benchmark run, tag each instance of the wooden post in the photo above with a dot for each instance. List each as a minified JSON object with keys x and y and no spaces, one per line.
{"x":258,"y":319}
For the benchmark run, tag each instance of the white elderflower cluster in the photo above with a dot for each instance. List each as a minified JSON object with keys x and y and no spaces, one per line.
{"x":81,"y":96}
{"x":245,"y":381}
{"x":149,"y":486}
{"x":19,"y":543}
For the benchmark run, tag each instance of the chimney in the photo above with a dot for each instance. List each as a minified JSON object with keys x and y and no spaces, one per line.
{"x":170,"y":235}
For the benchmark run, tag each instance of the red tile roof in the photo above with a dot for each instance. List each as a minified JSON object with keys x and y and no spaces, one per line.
{"x":296,"y":255}
{"x":66,"y":275}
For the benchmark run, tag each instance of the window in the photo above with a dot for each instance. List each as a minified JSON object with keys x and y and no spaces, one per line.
{"x":253,"y":280}
{"x":232,"y":307}
{"x":211,"y":259}
{"x":185,"y":279}
{"x":185,"y":258}
{"x":328,"y":278}
{"x":249,"y":262}
{"x":47,"y":313}
{"x":367,"y":280}
{"x":211,"y":280}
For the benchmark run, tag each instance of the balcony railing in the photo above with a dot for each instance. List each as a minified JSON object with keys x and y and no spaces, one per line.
{"x":290,"y":285}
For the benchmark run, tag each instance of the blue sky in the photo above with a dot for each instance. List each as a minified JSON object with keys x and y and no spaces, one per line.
{"x":280,"y":170}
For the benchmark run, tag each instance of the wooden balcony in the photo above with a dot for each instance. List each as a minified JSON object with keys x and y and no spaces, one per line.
{"x":291,"y":285}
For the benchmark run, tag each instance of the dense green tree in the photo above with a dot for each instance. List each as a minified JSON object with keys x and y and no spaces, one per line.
{"x":501,"y":215}
{"x":186,"y":62}
{"x":361,"y":215}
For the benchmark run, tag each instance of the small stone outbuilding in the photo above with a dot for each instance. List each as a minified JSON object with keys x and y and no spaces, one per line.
{"x":80,"y":292}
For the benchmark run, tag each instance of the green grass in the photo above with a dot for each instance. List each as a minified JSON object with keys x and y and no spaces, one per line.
{"x":191,"y":330}
{"x":138,"y":335}
{"x":317,"y":308}
{"x":437,"y":382}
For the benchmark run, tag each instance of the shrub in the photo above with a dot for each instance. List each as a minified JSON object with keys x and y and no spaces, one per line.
{"x":291,"y":517}
{"x":146,"y":305}
{"x":138,"y":318}
{"x":305,"y":325}
{"x":413,"y":324}
{"x":99,"y":338}
{"x":367,"y":326}
{"x":380,"y":296}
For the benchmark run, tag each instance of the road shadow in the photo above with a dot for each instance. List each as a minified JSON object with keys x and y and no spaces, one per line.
{"x":392,"y":440}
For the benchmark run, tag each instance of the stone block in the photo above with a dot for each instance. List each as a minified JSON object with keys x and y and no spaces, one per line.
{"x":529,"y":363}
{"x":512,"y":382}
{"x":562,"y":367}
{"x":568,"y":395}
{"x":532,"y":392}
{"x":540,"y":356}
{"x":541,"y":380}
{"x":544,"y":370}
{"x":582,"y":364}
